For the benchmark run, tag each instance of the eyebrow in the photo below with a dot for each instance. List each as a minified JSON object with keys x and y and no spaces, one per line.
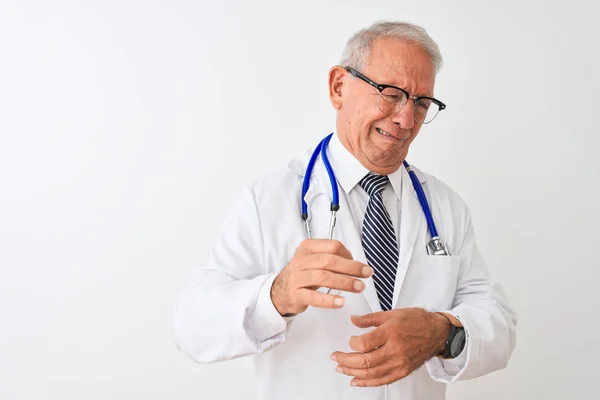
{"x":404,"y":88}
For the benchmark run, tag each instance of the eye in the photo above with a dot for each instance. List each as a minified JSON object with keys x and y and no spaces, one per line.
{"x":422,"y":106}
{"x":393,"y":95}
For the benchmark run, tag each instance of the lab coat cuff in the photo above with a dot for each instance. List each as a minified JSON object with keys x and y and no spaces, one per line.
{"x":265,"y":322}
{"x":448,"y":371}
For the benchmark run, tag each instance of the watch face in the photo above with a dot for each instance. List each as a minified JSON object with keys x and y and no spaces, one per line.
{"x":458,"y":343}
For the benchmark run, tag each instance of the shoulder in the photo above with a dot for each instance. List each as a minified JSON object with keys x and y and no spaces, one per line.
{"x":283,"y":183}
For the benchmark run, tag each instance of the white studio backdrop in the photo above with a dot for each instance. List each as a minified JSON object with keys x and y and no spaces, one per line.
{"x":127,"y":128}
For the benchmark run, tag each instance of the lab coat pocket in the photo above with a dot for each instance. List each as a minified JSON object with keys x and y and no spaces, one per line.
{"x":439,"y":279}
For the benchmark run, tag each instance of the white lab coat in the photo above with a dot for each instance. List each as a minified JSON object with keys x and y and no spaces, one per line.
{"x":226,"y":312}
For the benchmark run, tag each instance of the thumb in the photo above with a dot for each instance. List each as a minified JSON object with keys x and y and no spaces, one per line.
{"x":367,"y":320}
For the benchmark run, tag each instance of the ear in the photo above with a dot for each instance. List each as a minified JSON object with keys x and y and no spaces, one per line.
{"x":336,"y":81}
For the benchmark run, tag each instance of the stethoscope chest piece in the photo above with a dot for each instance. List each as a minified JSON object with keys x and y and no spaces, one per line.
{"x":436,"y":247}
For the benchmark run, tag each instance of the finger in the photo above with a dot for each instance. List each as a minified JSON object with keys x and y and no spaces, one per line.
{"x":392,"y":376}
{"x":372,"y":319}
{"x":316,"y":299}
{"x":324,"y":278}
{"x":370,"y":359}
{"x":371,"y":373}
{"x":340,"y":265}
{"x":327,"y":246}
{"x":369,"y":341}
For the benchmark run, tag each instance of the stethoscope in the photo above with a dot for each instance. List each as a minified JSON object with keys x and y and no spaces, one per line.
{"x":435,"y":246}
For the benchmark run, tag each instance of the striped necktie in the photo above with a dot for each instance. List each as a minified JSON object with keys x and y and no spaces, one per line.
{"x":379,"y":240}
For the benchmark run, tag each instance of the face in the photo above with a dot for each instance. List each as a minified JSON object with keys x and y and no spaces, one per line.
{"x":381,"y":141}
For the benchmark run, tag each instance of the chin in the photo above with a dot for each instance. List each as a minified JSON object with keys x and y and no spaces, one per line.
{"x":382,"y":161}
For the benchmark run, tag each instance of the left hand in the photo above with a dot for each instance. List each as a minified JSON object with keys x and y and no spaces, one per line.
{"x":404,"y":339}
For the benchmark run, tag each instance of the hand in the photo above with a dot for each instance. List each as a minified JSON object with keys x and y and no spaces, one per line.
{"x":403,"y":341}
{"x":317,"y":263}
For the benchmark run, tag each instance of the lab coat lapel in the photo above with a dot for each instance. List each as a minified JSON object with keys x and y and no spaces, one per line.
{"x":410,"y":224}
{"x":345,"y":230}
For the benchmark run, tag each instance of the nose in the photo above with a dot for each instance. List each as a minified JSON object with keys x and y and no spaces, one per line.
{"x":405,"y":117}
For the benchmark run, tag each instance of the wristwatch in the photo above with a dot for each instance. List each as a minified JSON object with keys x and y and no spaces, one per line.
{"x":455,"y":343}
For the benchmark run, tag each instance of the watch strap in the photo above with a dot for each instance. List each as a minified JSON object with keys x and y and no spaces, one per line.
{"x":455,"y":324}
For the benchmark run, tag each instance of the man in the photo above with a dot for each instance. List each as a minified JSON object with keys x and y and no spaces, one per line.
{"x":399,"y":323}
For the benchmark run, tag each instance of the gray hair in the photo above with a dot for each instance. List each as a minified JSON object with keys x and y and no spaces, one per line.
{"x":357,"y":50}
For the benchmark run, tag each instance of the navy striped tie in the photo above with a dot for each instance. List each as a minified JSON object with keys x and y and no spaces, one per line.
{"x":379,"y":240}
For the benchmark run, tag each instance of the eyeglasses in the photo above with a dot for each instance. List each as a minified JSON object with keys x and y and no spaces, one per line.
{"x":392,"y":99}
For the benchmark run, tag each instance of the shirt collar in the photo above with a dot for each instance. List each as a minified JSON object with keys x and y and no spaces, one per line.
{"x":349,"y":171}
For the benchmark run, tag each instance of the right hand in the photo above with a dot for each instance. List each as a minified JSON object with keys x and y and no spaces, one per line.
{"x":317,"y":263}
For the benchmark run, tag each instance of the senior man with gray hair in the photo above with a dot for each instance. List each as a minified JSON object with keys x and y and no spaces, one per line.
{"x":377,"y":311}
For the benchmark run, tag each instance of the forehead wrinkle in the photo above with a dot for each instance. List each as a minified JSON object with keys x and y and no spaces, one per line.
{"x":410,"y":79}
{"x":402,"y":67}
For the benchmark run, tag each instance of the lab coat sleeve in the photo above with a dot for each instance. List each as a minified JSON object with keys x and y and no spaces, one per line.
{"x":226,"y":312}
{"x":490,"y":323}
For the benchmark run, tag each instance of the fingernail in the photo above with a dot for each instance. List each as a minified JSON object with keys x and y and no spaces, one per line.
{"x":352,"y":383}
{"x":339,"y":301}
{"x":339,"y":369}
{"x":367,"y":271}
{"x":359,"y":285}
{"x":333,"y":357}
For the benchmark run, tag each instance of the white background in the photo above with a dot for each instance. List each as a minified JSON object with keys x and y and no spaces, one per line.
{"x":127,"y":128}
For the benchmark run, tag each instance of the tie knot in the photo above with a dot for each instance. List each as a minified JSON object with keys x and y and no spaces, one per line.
{"x":373,"y":184}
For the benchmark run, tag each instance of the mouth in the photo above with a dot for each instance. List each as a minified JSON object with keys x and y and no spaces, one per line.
{"x":386,"y":134}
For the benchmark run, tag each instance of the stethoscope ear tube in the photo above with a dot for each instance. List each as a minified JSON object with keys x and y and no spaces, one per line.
{"x":321,"y":148}
{"x":306,"y":183}
{"x":335,"y":202}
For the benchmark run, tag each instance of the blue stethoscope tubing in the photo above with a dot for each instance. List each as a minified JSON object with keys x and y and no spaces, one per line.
{"x":435,"y":246}
{"x":335,"y":201}
{"x":422,"y":199}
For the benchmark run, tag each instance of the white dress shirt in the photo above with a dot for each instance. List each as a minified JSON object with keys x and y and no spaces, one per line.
{"x":349,"y":171}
